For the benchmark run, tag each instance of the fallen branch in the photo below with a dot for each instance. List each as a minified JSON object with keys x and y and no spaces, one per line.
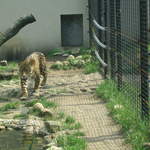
{"x":18,"y":25}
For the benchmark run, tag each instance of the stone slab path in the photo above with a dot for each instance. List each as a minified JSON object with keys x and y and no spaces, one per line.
{"x":101,"y":131}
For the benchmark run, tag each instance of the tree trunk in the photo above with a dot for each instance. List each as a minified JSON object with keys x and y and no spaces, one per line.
{"x":19,"y":24}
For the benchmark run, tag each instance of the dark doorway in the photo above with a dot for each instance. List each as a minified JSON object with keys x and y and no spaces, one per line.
{"x":72,"y":30}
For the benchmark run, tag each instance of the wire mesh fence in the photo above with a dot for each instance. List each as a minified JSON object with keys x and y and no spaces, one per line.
{"x":119,"y":35}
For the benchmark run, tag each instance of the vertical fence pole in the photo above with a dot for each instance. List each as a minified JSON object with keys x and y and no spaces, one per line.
{"x":90,"y":31}
{"x":99,"y":19}
{"x":119,"y":56}
{"x":144,"y":58}
{"x":106,"y":40}
{"x":112,"y":39}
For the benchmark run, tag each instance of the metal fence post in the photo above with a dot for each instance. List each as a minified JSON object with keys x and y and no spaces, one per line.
{"x":106,"y":38}
{"x":144,"y":58}
{"x":90,"y":32}
{"x":119,"y":56}
{"x":112,"y":39}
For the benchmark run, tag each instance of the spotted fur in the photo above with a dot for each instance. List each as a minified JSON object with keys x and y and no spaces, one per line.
{"x":33,"y":66}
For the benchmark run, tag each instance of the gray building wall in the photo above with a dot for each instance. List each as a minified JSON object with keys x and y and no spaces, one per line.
{"x":45,"y":33}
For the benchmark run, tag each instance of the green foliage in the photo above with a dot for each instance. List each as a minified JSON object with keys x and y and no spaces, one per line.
{"x":121,"y":109}
{"x":73,"y":126}
{"x":54,"y":52}
{"x":12,"y":105}
{"x":79,"y":51}
{"x":60,"y":115}
{"x":69,"y":120}
{"x":78,"y":133}
{"x":21,"y":116}
{"x":91,"y":68}
{"x":11,"y":66}
{"x":71,"y":142}
{"x":57,"y":66}
{"x":43,"y":101}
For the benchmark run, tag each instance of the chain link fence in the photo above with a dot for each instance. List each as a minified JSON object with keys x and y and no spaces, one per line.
{"x":119,"y":35}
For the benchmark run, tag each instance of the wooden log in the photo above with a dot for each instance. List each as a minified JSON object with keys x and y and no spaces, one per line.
{"x":18,"y":25}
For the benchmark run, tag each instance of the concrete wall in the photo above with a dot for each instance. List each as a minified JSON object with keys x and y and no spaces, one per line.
{"x":44,"y":34}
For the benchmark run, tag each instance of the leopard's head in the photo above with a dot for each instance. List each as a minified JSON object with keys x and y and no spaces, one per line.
{"x":24,"y":70}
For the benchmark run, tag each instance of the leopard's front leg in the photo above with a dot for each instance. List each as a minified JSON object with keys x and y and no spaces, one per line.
{"x":24,"y":90}
{"x":37,"y":84}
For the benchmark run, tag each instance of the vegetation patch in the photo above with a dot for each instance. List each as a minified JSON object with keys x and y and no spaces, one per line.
{"x":74,"y":126}
{"x":71,"y":142}
{"x":9,"y":68}
{"x":12,"y":105}
{"x":69,"y":120}
{"x":91,"y":67}
{"x":81,"y":60}
{"x":61,"y":52}
{"x":43,"y":101}
{"x":21,"y":116}
{"x":121,"y":109}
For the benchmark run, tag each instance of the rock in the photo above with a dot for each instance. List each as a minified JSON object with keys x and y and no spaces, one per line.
{"x":53,"y":126}
{"x":66,"y":63}
{"x":2,"y":128}
{"x":59,"y":63}
{"x":55,"y":148}
{"x":65,"y":55}
{"x":48,"y":139}
{"x":29,"y":130}
{"x":93,"y":88}
{"x":44,"y":111}
{"x":10,"y":129}
{"x":48,"y":112}
{"x":83,"y":89}
{"x":3,"y":63}
{"x":39,"y":107}
{"x":79,"y":57}
{"x":70,"y":57}
{"x":146,"y":146}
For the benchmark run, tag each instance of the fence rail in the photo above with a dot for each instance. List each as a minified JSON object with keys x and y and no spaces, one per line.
{"x":119,"y":33}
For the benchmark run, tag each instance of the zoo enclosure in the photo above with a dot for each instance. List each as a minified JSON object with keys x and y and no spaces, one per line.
{"x":119,"y":35}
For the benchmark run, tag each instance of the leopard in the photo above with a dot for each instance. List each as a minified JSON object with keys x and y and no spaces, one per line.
{"x":34,"y":66}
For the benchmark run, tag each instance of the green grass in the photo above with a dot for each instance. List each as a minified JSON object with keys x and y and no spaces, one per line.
{"x":91,"y":68}
{"x":11,"y":66}
{"x":43,"y":101}
{"x":78,"y":133}
{"x":134,"y":129}
{"x":73,"y":126}
{"x":71,"y":142}
{"x":4,"y":99}
{"x":79,"y":51}
{"x":21,"y":116}
{"x":70,"y":123}
{"x":69,"y":120}
{"x":60,"y":115}
{"x":12,"y":105}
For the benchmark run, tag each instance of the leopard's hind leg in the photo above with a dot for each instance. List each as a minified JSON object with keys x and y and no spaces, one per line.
{"x":43,"y":69}
{"x":44,"y":74}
